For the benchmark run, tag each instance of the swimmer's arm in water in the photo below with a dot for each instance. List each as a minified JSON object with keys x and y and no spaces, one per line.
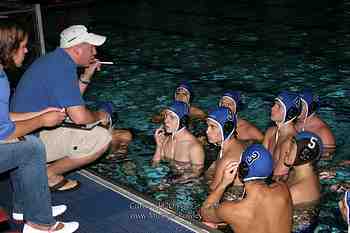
{"x":209,"y":208}
{"x":159,"y":137}
{"x":156,"y":157}
{"x":197,"y":159}
{"x":197,"y":113}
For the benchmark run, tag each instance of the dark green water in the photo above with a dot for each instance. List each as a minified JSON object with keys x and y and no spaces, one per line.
{"x":257,"y":47}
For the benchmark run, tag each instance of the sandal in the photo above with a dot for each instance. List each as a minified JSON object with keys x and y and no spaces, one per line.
{"x":65,"y":185}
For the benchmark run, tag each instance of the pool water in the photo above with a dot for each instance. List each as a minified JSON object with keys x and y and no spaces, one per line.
{"x":257,"y":47}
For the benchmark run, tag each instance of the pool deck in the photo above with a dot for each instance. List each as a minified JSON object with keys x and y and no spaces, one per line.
{"x":100,"y":206}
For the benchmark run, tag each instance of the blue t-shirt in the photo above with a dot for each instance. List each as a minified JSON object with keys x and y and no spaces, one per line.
{"x":51,"y":81}
{"x":6,"y":125}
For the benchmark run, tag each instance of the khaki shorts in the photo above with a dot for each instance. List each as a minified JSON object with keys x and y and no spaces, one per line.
{"x":74,"y":143}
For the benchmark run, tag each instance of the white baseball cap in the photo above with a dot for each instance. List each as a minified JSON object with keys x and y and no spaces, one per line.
{"x":77,"y":34}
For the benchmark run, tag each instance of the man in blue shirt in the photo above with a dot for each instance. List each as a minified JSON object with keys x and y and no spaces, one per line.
{"x":52,"y":81}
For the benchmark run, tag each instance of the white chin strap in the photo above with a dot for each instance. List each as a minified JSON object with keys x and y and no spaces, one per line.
{"x":306,"y":106}
{"x":289,"y":121}
{"x":177,"y":130}
{"x":223,"y":141}
{"x":221,"y":149}
{"x":173,"y":139}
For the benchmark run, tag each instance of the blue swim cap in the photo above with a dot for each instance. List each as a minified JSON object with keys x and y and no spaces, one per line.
{"x":309,"y":148}
{"x":291,"y":104}
{"x":256,"y":163}
{"x":187,"y":86}
{"x":347,"y":205}
{"x":226,"y":121}
{"x":235,"y":96}
{"x":181,"y":110}
{"x":310,"y":101}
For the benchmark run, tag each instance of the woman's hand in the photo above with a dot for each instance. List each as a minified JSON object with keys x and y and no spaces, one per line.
{"x":51,"y":109}
{"x":52,"y":118}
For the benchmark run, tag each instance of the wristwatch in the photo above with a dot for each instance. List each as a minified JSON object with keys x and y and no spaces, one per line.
{"x":86,"y":82}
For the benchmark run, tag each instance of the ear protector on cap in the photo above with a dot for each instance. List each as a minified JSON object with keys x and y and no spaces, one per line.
{"x":291,"y":103}
{"x":312,"y":103}
{"x":229,"y":126}
{"x":226,"y":121}
{"x":234,"y":96}
{"x":181,"y":110}
{"x":184,"y":121}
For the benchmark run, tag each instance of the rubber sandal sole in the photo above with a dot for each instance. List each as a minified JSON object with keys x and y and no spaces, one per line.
{"x":62,"y":183}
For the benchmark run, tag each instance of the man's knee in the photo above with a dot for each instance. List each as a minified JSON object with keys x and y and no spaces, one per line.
{"x":97,"y":144}
{"x":86,"y":159}
{"x":76,"y":143}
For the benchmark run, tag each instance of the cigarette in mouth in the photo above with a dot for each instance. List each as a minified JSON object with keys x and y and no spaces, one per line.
{"x":106,"y":62}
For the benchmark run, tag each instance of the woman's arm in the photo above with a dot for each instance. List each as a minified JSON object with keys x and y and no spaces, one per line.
{"x":22,"y":116}
{"x":48,"y":119}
